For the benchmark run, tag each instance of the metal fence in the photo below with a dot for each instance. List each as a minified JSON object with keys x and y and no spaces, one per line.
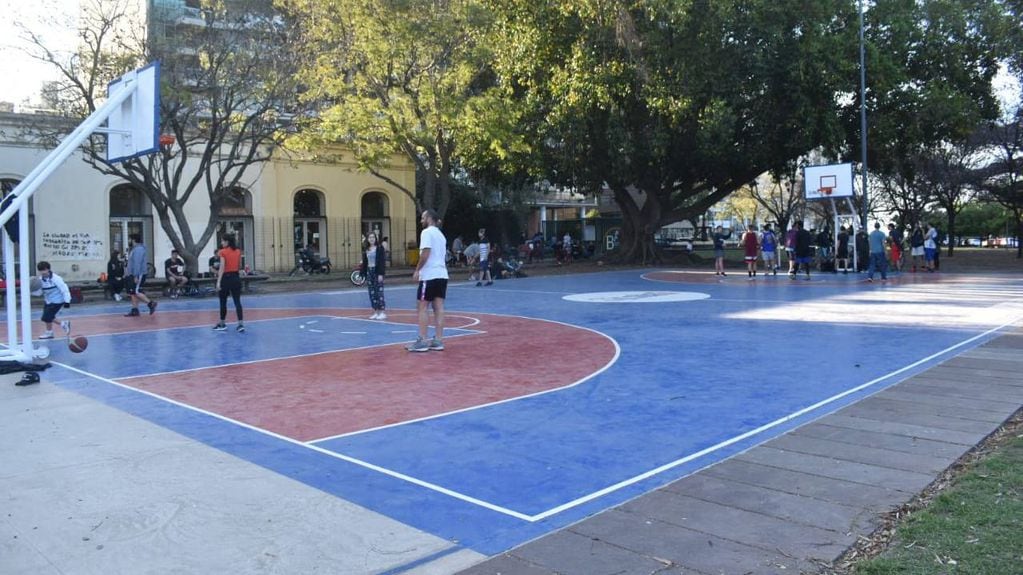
{"x":274,"y":242}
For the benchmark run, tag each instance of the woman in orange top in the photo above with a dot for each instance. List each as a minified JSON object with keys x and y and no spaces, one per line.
{"x":229,"y":281}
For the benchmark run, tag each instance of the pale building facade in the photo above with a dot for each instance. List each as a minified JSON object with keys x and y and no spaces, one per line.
{"x":78,"y":216}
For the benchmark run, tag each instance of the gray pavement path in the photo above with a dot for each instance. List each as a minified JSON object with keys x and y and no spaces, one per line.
{"x":88,"y":489}
{"x":797,"y":502}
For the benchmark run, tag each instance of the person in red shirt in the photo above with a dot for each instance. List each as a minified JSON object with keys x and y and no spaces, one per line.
{"x":751,"y":245}
{"x":229,"y":281}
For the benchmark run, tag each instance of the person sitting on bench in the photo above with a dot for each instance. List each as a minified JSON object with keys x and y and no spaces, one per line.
{"x":174,"y":269}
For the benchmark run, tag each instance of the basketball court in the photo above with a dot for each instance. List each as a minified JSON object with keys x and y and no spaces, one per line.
{"x":556,"y":398}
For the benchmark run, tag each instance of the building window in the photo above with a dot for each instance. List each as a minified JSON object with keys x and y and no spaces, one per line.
{"x":310,"y":225}
{"x":308,"y":204}
{"x":131,"y":213}
{"x":235,"y":217}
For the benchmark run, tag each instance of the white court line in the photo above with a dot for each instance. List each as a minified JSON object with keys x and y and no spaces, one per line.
{"x":614,"y":358}
{"x":283,"y":357}
{"x":581,"y":500}
{"x":332,"y":454}
{"x":757,"y":431}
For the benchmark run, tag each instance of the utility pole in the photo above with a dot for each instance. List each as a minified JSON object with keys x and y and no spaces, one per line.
{"x":863,"y":118}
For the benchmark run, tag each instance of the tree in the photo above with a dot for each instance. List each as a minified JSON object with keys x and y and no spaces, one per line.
{"x":781,"y":196}
{"x":409,"y":79}
{"x":950,"y":172}
{"x":674,"y":105}
{"x":225,"y":99}
{"x":984,"y":219}
{"x":929,"y":68}
{"x":1003,"y":178}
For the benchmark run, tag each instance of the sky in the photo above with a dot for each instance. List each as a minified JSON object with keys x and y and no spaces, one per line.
{"x":21,"y":77}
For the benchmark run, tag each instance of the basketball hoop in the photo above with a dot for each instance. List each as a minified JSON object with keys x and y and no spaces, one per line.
{"x":166,"y":140}
{"x":826,"y":191}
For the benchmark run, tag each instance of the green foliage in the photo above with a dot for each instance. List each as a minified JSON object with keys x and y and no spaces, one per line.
{"x":685,"y":101}
{"x":929,"y":69}
{"x":982,"y":219}
{"x":974,"y":527}
{"x":407,"y":78}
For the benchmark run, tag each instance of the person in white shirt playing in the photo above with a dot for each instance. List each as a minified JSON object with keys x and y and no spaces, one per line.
{"x":432,"y":275}
{"x":484,"y":247}
{"x":56,"y":296}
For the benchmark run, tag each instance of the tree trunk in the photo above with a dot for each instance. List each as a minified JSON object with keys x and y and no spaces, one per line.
{"x":951,"y":233}
{"x":636,"y":243}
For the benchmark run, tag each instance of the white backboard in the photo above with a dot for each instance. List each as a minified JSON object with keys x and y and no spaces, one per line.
{"x":134,"y":128}
{"x":830,"y":181}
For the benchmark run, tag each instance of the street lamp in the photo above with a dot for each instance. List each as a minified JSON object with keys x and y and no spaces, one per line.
{"x":863,"y":116}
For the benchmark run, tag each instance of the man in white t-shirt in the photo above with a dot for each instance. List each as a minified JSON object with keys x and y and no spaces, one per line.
{"x":432,"y":275}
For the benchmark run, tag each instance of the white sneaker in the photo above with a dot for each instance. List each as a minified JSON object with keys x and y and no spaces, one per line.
{"x":47,"y":335}
{"x":117,"y":297}
{"x":381,"y":315}
{"x":66,"y":326}
{"x":376,"y":315}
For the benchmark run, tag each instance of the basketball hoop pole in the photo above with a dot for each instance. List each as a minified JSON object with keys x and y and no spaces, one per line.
{"x":22,"y":192}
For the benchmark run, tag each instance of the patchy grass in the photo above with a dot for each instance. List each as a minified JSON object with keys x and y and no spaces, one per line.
{"x":971,"y":522}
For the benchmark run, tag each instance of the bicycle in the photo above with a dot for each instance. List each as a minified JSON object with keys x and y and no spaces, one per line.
{"x":357,"y":278}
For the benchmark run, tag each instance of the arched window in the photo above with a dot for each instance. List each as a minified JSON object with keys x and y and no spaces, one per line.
{"x":131,"y":213}
{"x":308,"y":204}
{"x":127,"y":201}
{"x":235,"y":217}
{"x":374,"y":206}
{"x":237,"y":202}
{"x":375,"y":215}
{"x":310,"y":224}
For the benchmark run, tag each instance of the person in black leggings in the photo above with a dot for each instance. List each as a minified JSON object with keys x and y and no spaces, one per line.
{"x":229,"y":281}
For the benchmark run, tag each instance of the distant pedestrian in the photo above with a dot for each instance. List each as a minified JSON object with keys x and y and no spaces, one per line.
{"x":803,"y":251}
{"x":790,"y":248}
{"x":432,"y":275}
{"x":895,"y":239}
{"x":56,"y":296}
{"x":878,"y":262}
{"x":115,"y":275}
{"x":484,"y":251}
{"x":769,"y":247}
{"x":174,"y":271}
{"x":930,"y":247}
{"x":135,"y":281}
{"x":862,"y":250}
{"x":719,"y":236}
{"x":458,"y":249}
{"x":374,"y":266}
{"x":916,"y":245}
{"x":842,"y":258}
{"x":751,"y":248}
{"x":229,"y":281}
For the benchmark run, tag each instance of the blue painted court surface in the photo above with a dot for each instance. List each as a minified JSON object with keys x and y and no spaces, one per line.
{"x":557,"y":397}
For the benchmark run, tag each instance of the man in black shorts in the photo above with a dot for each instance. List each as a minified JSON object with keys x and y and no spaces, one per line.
{"x":432,"y":275}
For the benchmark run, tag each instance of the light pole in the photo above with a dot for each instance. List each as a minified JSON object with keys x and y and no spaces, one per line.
{"x":863,"y":117}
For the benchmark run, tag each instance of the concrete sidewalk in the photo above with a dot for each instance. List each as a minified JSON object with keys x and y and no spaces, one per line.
{"x":799,"y":501}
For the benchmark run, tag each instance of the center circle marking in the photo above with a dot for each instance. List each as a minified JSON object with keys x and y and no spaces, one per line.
{"x":636,"y":296}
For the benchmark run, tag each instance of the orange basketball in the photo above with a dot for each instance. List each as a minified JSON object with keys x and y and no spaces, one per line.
{"x":78,"y":344}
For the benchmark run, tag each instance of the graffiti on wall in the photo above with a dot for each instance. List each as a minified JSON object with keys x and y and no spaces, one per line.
{"x":71,"y":246}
